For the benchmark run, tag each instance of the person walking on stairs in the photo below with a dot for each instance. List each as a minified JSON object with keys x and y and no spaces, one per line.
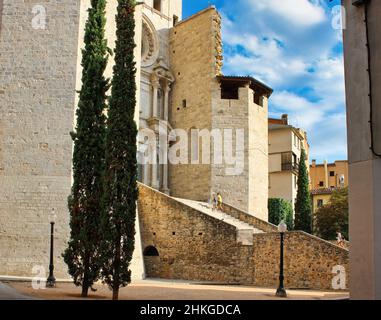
{"x":219,"y":202}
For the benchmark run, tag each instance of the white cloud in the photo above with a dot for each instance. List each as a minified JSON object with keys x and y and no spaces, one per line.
{"x":298,"y":12}
{"x":265,"y":58}
{"x":302,"y":113}
{"x":326,"y":131}
{"x":328,"y":81}
{"x":329,"y":139}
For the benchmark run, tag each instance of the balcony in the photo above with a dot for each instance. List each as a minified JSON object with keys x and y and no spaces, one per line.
{"x":290,"y":167}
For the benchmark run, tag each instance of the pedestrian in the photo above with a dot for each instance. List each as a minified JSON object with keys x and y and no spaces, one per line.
{"x":340,"y":239}
{"x":219,"y":201}
{"x":214,"y":202}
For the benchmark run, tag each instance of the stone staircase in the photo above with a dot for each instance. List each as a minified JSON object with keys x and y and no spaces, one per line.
{"x":245,"y":231}
{"x":197,"y":243}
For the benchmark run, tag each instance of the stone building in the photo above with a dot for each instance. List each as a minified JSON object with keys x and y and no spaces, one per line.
{"x":180,"y":85}
{"x":362,"y":49}
{"x":285,"y":146}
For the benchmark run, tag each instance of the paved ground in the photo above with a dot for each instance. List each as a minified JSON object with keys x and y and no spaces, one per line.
{"x":162,"y":290}
{"x":9,"y":293}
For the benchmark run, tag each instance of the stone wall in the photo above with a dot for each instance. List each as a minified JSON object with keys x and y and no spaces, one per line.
{"x":194,"y":246}
{"x":191,"y":245}
{"x":308,"y":260}
{"x":247,"y":188}
{"x":249,"y":218}
{"x":37,"y":93}
{"x":193,"y":52}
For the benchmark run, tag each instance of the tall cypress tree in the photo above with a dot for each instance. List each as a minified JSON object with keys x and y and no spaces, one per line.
{"x":120,"y":188}
{"x":84,"y":203}
{"x":303,"y":211}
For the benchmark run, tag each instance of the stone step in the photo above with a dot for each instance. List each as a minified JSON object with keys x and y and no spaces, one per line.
{"x":244,"y":230}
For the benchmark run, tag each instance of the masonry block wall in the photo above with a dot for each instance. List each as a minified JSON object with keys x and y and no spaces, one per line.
{"x":194,"y":246}
{"x":191,"y":245}
{"x":247,"y":188}
{"x":258,"y":158}
{"x":196,"y":59}
{"x":193,"y":61}
{"x":309,"y":261}
{"x":37,"y":94}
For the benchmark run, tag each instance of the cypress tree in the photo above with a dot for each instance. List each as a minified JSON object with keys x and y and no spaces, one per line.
{"x":303,"y":211}
{"x":120,"y":188}
{"x":82,"y":254}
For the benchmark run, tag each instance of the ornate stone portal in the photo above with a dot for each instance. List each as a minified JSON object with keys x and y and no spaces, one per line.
{"x":156,"y":82}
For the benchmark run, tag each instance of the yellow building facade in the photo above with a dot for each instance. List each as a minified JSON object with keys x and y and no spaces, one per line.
{"x":329,"y":175}
{"x":325,"y":178}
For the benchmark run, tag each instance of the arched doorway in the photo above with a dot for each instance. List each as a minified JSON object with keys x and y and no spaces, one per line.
{"x":150,"y":251}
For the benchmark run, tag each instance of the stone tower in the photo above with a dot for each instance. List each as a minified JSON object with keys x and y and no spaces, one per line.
{"x":38,"y":51}
{"x":232,"y":110}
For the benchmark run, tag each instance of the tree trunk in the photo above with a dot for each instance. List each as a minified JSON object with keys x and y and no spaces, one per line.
{"x":115,"y":291}
{"x":85,"y":291}
{"x":85,"y":284}
{"x":115,"y":294}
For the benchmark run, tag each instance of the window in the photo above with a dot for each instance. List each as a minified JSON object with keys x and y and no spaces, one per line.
{"x":258,"y":100}
{"x":184,"y":103}
{"x":157,"y":5}
{"x":321,"y":184}
{"x":229,"y":92}
{"x":294,"y":159}
{"x":332,"y":173}
{"x":320,"y":203}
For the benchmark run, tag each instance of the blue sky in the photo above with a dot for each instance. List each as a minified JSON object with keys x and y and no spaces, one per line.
{"x":292,"y":46}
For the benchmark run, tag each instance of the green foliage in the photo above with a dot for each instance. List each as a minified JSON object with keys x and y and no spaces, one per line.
{"x":303,"y":211}
{"x":280,"y":209}
{"x":120,"y":186}
{"x":82,"y":254}
{"x":333,"y":217}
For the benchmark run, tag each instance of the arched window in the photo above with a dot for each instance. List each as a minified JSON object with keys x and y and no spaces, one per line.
{"x":150,"y":251}
{"x":157,"y":5}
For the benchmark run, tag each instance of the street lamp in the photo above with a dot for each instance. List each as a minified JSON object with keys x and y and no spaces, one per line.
{"x":281,"y":292}
{"x":51,"y":281}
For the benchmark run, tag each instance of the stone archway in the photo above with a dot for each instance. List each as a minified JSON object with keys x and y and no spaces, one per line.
{"x":152,"y":261}
{"x":151,"y":251}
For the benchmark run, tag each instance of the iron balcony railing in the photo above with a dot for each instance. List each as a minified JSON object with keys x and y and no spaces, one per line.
{"x":290,"y":167}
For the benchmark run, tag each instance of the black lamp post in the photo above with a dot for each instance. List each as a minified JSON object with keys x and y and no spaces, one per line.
{"x":51,"y":281}
{"x":281,"y":292}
